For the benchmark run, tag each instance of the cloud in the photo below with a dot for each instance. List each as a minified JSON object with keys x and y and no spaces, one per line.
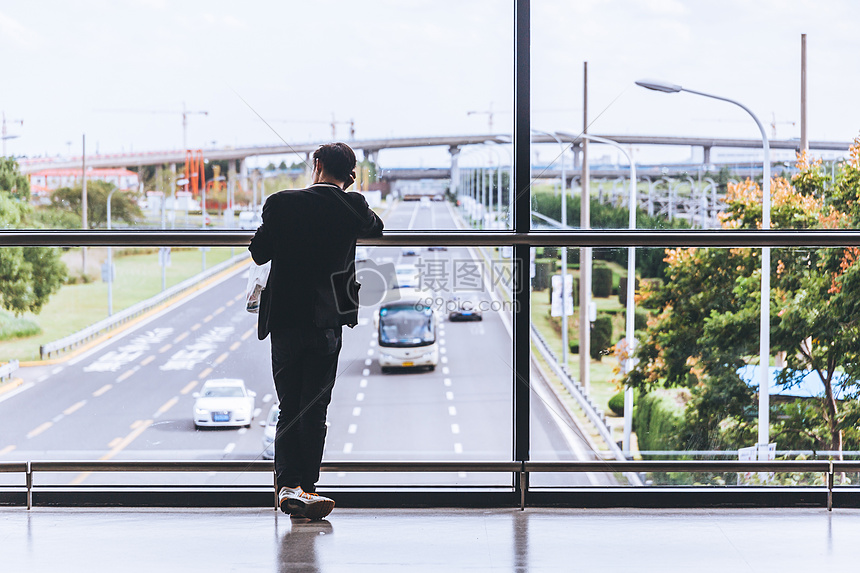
{"x":17,"y":34}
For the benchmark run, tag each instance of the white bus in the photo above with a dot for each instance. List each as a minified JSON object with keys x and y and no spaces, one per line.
{"x":406,"y":331}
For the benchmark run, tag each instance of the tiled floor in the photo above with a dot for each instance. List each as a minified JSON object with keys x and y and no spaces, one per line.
{"x":355,"y":540}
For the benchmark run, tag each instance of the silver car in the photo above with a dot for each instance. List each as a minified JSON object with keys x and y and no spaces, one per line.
{"x":269,"y":427}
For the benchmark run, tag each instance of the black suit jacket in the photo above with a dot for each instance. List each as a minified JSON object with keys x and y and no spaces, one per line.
{"x":309,"y":235}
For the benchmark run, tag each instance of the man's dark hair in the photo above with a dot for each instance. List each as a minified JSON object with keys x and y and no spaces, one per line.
{"x":338,"y":159}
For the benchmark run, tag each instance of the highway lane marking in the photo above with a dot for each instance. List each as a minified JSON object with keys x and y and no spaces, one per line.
{"x":368,"y":362}
{"x":347,"y":448}
{"x":57,"y":418}
{"x":267,"y":398}
{"x":443,"y":350}
{"x":230,"y":447}
{"x":353,"y":428}
{"x":452,"y":410}
{"x":446,"y":370}
{"x":39,"y":429}
{"x":247,"y":334}
{"x":458,"y":448}
{"x":356,"y":411}
{"x":455,"y":428}
{"x":113,"y":443}
{"x":241,"y":431}
{"x":6,"y":450}
{"x":102,"y":390}
{"x":442,"y":341}
{"x":181,"y":337}
{"x":444,"y":359}
{"x":125,"y":375}
{"x":57,"y":370}
{"x":166,"y":347}
{"x":136,"y":424}
{"x":147,"y":360}
{"x":370,"y":352}
{"x":218,"y":311}
{"x":230,"y":302}
{"x":222,"y":358}
{"x":365,"y":372}
{"x":257,"y":412}
{"x":235,"y":345}
{"x":372,"y":343}
{"x":447,"y":381}
{"x":139,"y":426}
{"x":449,"y":395}
{"x":166,"y":406}
{"x":359,"y":397}
{"x":238,"y":297}
{"x":189,"y":387}
{"x":74,"y":408}
{"x":195,"y":327}
{"x":363,"y":383}
{"x":205,"y":373}
{"x":15,"y":391}
{"x":208,"y":318}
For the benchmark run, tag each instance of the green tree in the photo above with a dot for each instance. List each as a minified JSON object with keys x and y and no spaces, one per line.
{"x":123,"y":206}
{"x":28,"y":275}
{"x":11,"y":180}
{"x":708,"y":321}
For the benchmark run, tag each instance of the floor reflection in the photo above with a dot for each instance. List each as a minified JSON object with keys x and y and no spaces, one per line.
{"x":301,"y":545}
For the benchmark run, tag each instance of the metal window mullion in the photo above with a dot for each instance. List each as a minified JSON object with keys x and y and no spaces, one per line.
{"x":522,"y":224}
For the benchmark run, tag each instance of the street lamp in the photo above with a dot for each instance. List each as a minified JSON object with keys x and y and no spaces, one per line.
{"x":110,"y":256}
{"x":764,"y":337}
{"x":565,"y":348}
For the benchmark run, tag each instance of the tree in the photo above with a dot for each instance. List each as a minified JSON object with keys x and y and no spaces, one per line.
{"x":11,"y":180}
{"x":123,"y":206}
{"x":707,"y":326}
{"x":28,"y":275}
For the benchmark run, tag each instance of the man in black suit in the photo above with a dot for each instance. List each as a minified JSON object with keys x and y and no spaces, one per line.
{"x":309,"y":235}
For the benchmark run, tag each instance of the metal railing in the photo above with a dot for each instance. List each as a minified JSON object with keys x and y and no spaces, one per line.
{"x":8,"y":369}
{"x":520,"y":471}
{"x":118,"y":318}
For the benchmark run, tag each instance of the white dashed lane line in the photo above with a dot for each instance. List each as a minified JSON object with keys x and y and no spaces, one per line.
{"x":356,"y":411}
{"x":363,"y":383}
{"x":347,"y":447}
{"x":353,"y":428}
{"x":368,"y":362}
{"x":452,"y":410}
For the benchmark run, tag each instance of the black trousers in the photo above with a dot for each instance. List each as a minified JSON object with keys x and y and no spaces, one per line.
{"x":304,"y":365}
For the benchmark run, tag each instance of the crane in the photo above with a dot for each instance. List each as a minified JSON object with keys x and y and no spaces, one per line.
{"x":5,"y":136}
{"x":185,"y":113}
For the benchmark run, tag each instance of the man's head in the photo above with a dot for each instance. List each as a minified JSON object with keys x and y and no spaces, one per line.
{"x":335,"y":162}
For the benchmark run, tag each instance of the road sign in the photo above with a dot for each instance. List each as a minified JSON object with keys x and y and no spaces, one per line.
{"x":164,"y":256}
{"x":108,"y":272}
{"x":555,"y":309}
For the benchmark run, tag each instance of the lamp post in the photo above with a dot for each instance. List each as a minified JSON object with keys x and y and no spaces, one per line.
{"x":565,"y":348}
{"x":764,"y":337}
{"x":110,"y":257}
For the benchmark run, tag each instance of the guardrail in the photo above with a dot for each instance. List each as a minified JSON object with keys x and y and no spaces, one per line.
{"x":111,"y":322}
{"x":519,"y":470}
{"x":7,"y":369}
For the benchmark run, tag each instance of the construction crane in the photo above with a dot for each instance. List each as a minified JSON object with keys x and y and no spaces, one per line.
{"x":185,"y":113}
{"x":334,"y":123}
{"x":5,"y":135}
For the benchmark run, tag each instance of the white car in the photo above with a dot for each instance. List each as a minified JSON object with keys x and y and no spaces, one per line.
{"x":223,"y":402}
{"x":269,"y":426}
{"x":406,"y":276}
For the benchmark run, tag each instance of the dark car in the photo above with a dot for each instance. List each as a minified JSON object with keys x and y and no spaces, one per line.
{"x":465,"y":307}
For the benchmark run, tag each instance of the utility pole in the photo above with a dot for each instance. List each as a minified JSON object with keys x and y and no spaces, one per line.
{"x":488,"y":113}
{"x":804,"y":139}
{"x":585,"y":252}
{"x":5,"y":135}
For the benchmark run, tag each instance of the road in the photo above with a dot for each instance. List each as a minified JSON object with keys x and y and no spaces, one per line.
{"x":131,"y":397}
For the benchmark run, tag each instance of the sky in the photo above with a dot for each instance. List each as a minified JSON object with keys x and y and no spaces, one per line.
{"x":120,"y":71}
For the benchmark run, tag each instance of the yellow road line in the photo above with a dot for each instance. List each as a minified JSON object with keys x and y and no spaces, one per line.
{"x":205,"y":373}
{"x":135,"y":424}
{"x":6,"y":450}
{"x":222,"y":358}
{"x":102,"y":390}
{"x":147,"y":360}
{"x":125,"y":375}
{"x":167,"y":405}
{"x":208,"y":318}
{"x":166,"y":347}
{"x":249,"y":333}
{"x":118,"y":447}
{"x":238,"y":297}
{"x":219,"y":311}
{"x":181,"y":337}
{"x":189,"y":387}
{"x":235,"y":345}
{"x":195,"y":327}
{"x":229,"y":303}
{"x":74,"y":408}
{"x":114,"y":442}
{"x":38,"y":430}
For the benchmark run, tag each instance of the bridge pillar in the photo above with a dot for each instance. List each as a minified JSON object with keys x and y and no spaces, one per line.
{"x":455,"y":169}
{"x":577,"y":155}
{"x":243,"y":172}
{"x":707,"y":159}
{"x":371,"y":155}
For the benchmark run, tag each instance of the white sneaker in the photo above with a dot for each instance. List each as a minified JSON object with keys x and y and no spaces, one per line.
{"x":299,"y":503}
